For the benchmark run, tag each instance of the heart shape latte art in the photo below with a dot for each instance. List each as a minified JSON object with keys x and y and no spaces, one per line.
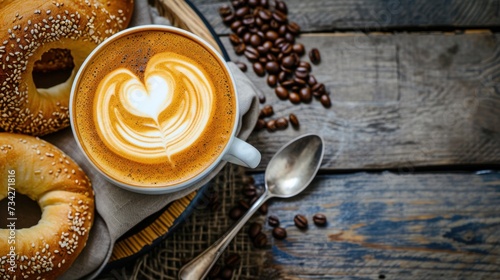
{"x":152,"y":121}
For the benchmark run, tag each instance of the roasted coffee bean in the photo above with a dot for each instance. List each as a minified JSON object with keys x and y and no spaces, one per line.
{"x":281,"y":123}
{"x":299,"y":82}
{"x":250,"y":190}
{"x":264,"y":14}
{"x":282,"y":30}
{"x":237,"y":3}
{"x":224,"y":10}
{"x":294,"y":120}
{"x":279,"y":42}
{"x":281,"y":92}
{"x":235,"y":25}
{"x":290,"y":37}
{"x":260,"y":124}
{"x":229,"y":19}
{"x":293,"y":27}
{"x":268,"y":44}
{"x":271,"y":125}
{"x":282,"y":76}
{"x":272,"y":67}
{"x":275,"y":50}
{"x":294,"y":98}
{"x":300,"y":221}
{"x":262,"y":50}
{"x":234,"y":39}
{"x":279,"y":233}
{"x":264,"y":208}
{"x":271,"y":57}
{"x":263,"y":60}
{"x":272,"y":80}
{"x":264,"y":3}
{"x":280,"y":57}
{"x":236,"y":212}
{"x":279,"y":16}
{"x":241,"y":30}
{"x":251,"y":53}
{"x":301,"y":72}
{"x":258,"y":21}
{"x":306,"y":65}
{"x":260,"y":241}
{"x":214,"y":271}
{"x":299,"y":49}
{"x":262,"y":98}
{"x":267,"y":111}
{"x":319,"y":88}
{"x":232,"y":260}
{"x":226,"y":273}
{"x":254,"y":230}
{"x":240,"y":49}
{"x":246,"y":38}
{"x":288,"y":61}
{"x":319,"y":219}
{"x":259,"y":69}
{"x":253,"y":3}
{"x":273,"y":221}
{"x":312,"y":81}
{"x":255,"y":40}
{"x":242,"y":11}
{"x":242,"y":66}
{"x":305,"y":94}
{"x":286,"y":48}
{"x":248,"y":20}
{"x":295,"y":87}
{"x":325,"y":101}
{"x":315,"y":56}
{"x":281,"y":6}
{"x":288,"y":83}
{"x":271,"y":35}
{"x":274,"y":24}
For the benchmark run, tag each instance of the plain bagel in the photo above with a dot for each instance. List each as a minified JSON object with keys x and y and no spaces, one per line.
{"x":28,"y":29}
{"x":39,"y":170}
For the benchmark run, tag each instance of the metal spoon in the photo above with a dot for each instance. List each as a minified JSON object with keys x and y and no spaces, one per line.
{"x":288,"y":173}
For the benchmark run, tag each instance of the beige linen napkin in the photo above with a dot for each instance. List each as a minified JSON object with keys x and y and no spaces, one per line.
{"x":119,"y":210}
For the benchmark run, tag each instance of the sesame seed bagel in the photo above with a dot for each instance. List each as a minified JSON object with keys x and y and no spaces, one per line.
{"x":29,"y":29}
{"x":39,"y":170}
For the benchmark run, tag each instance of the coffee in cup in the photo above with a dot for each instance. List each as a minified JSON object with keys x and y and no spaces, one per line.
{"x":156,"y":107}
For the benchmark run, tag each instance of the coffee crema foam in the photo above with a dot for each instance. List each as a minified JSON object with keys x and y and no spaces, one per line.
{"x":154,"y":108}
{"x":150,"y":122}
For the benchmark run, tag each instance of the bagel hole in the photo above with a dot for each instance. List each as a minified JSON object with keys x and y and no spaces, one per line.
{"x":54,"y":68}
{"x":24,"y":214}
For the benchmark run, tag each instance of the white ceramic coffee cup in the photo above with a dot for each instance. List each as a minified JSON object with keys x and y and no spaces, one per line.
{"x":236,"y":150}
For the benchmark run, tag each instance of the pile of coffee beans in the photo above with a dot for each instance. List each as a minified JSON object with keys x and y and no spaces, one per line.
{"x":267,"y":38}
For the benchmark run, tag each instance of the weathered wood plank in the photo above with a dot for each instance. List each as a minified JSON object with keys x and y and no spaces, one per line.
{"x":399,"y":101}
{"x":390,"y":226}
{"x":370,"y":15}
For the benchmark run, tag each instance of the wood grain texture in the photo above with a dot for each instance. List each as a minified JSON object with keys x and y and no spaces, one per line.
{"x":399,"y":101}
{"x":390,"y":226}
{"x":373,"y":15}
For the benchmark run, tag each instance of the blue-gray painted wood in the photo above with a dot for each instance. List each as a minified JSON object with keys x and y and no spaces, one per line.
{"x":376,"y":15}
{"x":392,"y":226}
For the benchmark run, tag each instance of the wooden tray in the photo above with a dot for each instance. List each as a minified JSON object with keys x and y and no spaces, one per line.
{"x":159,"y":226}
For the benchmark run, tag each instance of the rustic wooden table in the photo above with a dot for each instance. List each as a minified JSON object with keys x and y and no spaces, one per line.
{"x":408,"y":182}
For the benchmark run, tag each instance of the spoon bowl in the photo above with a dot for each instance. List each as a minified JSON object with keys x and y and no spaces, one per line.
{"x":288,"y":173}
{"x":294,"y":166}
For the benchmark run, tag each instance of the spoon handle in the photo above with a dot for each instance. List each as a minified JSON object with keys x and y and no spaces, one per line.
{"x":199,"y":267}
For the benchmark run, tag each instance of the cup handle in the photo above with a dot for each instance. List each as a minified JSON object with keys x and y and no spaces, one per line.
{"x":242,"y":153}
